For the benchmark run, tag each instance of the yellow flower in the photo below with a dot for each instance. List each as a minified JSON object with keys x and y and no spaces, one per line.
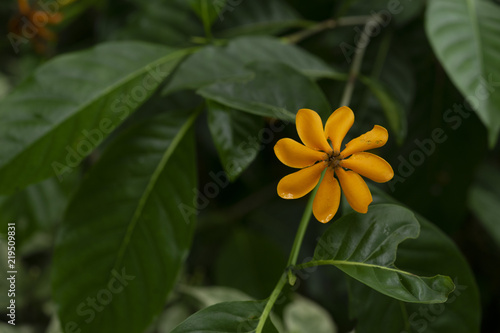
{"x":317,"y":154}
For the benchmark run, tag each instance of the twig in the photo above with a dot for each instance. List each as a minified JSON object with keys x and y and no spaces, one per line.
{"x":325,"y":25}
{"x":356,"y":66}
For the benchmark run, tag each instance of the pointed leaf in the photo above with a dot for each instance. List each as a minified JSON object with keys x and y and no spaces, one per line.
{"x":209,"y":65}
{"x":235,"y":135}
{"x":209,"y":296}
{"x":265,"y":48}
{"x":229,"y":317}
{"x":364,"y":246}
{"x":431,"y":253}
{"x":277,"y":91}
{"x":464,"y":36}
{"x":257,"y":17}
{"x":70,"y":104}
{"x":303,"y":315}
{"x":159,"y":21}
{"x":128,"y":229}
{"x":215,"y":63}
{"x":393,"y":110}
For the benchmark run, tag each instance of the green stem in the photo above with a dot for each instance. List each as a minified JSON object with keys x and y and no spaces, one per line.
{"x":206,"y":19}
{"x":383,"y":50}
{"x":379,"y":62}
{"x":306,"y":217}
{"x":405,"y":316}
{"x":356,"y":66}
{"x":292,"y":260}
{"x":324,"y":25}
{"x":270,"y":303}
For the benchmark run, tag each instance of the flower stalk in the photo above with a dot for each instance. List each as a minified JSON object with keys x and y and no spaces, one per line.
{"x":354,"y":71}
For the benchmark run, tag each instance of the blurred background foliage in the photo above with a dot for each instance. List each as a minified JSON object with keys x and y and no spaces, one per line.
{"x":244,"y":232}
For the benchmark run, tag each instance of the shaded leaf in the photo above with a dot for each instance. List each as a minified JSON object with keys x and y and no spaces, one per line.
{"x":160,"y":21}
{"x":257,"y":17}
{"x":229,"y":317}
{"x":36,"y":210}
{"x":265,"y":48}
{"x":393,"y":110}
{"x":431,"y":253}
{"x":216,"y":63}
{"x":303,"y":315}
{"x":209,"y":65}
{"x":70,"y":104}
{"x":128,"y":227}
{"x":235,"y":137}
{"x":464,"y":36}
{"x":172,"y":316}
{"x":484,"y":200}
{"x":209,"y":296}
{"x":364,"y":247}
{"x":277,"y":91}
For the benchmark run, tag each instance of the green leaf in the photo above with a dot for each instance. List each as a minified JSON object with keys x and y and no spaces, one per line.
{"x":464,"y":36}
{"x":130,"y":227}
{"x":277,"y":91}
{"x":216,"y":63}
{"x":265,"y":48}
{"x":257,"y":17}
{"x":70,"y":104}
{"x":229,"y":317}
{"x":36,"y":210}
{"x":159,"y":21}
{"x":394,"y":111}
{"x":172,"y":316}
{"x":209,"y":296}
{"x":431,"y":253}
{"x":207,"y":10}
{"x":209,"y":65}
{"x":484,"y":200}
{"x":235,"y":135}
{"x":303,"y":315}
{"x":364,"y":247}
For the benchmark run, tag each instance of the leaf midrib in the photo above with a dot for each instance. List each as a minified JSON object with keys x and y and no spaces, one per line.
{"x":356,"y":263}
{"x":150,"y":187}
{"x":93,"y":100}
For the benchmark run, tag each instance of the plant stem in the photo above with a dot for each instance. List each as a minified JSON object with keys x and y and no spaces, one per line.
{"x":325,"y":25}
{"x":356,"y":66}
{"x":270,"y":303}
{"x":346,"y":98}
{"x":297,"y":243}
{"x":206,"y":19}
{"x":292,"y":260}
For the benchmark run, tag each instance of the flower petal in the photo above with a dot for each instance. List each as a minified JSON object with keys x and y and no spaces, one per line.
{"x":370,"y":166}
{"x":355,"y":190}
{"x":337,"y":126}
{"x":326,"y":202}
{"x":310,"y":129}
{"x":24,"y":7}
{"x":375,"y":138}
{"x":296,"y":155}
{"x":299,"y":183}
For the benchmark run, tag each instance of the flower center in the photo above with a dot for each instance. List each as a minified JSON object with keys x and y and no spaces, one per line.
{"x":334,"y":159}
